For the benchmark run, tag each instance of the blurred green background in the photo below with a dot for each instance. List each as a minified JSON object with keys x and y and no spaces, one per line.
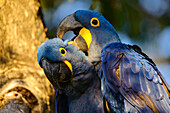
{"x":145,"y":23}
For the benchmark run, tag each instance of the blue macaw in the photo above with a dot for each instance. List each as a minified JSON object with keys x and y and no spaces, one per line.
{"x":129,"y":78}
{"x":73,"y":77}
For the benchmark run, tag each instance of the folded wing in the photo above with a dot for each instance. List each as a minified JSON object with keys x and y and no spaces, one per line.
{"x":130,"y":72}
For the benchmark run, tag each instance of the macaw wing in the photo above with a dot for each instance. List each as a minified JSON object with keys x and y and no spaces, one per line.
{"x":61,"y":103}
{"x":129,"y":71}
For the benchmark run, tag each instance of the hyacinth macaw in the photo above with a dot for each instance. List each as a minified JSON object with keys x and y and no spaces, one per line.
{"x":73,"y":77}
{"x":128,"y":76}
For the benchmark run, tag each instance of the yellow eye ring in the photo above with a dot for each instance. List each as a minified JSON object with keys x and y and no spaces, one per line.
{"x":63,"y":51}
{"x":94,"y":22}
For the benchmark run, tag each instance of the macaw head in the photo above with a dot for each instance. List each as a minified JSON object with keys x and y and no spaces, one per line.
{"x":65,"y":66}
{"x":92,"y":31}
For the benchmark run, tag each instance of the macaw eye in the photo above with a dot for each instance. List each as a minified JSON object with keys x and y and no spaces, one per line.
{"x":63,"y":51}
{"x":94,"y":22}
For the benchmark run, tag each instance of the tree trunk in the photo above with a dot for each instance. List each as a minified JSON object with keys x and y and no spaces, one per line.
{"x":23,"y":85}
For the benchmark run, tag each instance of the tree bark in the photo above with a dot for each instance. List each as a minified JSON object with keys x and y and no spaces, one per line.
{"x":23,"y":85}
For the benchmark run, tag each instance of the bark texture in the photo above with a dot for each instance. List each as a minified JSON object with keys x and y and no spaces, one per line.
{"x":23,"y":85}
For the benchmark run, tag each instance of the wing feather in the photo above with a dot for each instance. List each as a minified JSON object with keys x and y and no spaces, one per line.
{"x":129,"y":71}
{"x":61,"y":103}
{"x":124,"y":66}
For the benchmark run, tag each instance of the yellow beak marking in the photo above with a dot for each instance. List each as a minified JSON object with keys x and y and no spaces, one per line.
{"x":70,"y":42}
{"x":85,"y":33}
{"x":69,"y":65}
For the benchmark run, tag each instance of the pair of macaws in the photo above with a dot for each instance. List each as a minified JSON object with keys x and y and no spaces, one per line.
{"x":95,"y":73}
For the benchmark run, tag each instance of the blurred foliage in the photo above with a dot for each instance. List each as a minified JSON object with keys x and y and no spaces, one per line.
{"x":125,"y":15}
{"x":50,"y":3}
{"x":94,"y":5}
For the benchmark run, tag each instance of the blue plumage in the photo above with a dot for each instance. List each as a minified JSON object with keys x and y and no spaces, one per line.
{"x":130,"y":80}
{"x":132,"y":73}
{"x":50,"y":49}
{"x":74,"y":78}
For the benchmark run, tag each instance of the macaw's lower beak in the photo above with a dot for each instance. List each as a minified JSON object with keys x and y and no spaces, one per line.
{"x":57,"y":73}
{"x":80,"y":43}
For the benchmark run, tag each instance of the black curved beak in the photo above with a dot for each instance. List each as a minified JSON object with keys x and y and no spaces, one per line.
{"x":57,"y":73}
{"x":69,"y":23}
